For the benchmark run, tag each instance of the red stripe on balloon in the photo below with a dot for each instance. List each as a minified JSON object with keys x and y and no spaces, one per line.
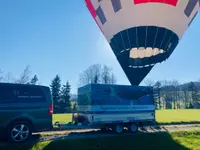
{"x":170,"y":2}
{"x":93,"y":12}
{"x":91,"y":8}
{"x":140,"y":1}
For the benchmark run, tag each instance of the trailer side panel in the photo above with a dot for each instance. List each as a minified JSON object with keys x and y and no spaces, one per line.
{"x":116,"y":103}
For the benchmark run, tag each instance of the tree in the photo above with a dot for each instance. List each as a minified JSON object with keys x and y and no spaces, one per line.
{"x":34,"y":80}
{"x":195,"y":95}
{"x":190,"y":106}
{"x":94,"y":74}
{"x":113,"y":79}
{"x":168,"y":101}
{"x":166,"y":94}
{"x":90,"y":75}
{"x":1,"y":75}
{"x":175,"y":87}
{"x":65,"y":103}
{"x":55,"y":90}
{"x":25,"y":76}
{"x":107,"y":77}
{"x":74,"y":109}
{"x":185,"y":95}
{"x":105,"y":74}
{"x":149,"y":82}
{"x":8,"y":78}
{"x":157,"y":87}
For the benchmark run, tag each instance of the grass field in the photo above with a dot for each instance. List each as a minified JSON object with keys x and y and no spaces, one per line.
{"x":178,"y":116}
{"x":181,"y":140}
{"x":162,"y":116}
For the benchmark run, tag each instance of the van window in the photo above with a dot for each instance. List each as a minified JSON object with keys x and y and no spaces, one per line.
{"x":16,"y":93}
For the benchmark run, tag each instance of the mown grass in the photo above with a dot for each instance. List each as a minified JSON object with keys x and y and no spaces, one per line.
{"x":179,"y":140}
{"x":162,"y":116}
{"x":62,"y":118}
{"x":178,"y":116}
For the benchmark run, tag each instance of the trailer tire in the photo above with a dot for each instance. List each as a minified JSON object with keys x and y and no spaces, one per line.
{"x":105,"y":129}
{"x":118,"y":128}
{"x":133,"y":127}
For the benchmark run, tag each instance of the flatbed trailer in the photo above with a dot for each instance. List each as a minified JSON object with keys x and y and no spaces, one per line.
{"x":113,"y":107}
{"x":104,"y":127}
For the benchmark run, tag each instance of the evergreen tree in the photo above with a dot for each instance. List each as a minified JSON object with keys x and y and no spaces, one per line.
{"x":34,"y":80}
{"x":55,"y":90}
{"x":65,"y":103}
{"x":74,"y":109}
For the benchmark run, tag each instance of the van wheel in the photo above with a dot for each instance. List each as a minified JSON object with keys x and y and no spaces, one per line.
{"x":19,"y":132}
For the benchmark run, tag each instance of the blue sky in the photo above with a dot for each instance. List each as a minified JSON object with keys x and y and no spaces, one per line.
{"x":59,"y":37}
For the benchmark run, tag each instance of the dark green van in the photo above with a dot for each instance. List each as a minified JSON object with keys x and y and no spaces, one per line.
{"x":24,"y":109}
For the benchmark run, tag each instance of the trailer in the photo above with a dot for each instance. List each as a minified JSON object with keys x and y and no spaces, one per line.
{"x":113,"y":107}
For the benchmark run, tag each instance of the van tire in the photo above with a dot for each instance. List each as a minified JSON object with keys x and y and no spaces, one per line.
{"x":19,"y":132}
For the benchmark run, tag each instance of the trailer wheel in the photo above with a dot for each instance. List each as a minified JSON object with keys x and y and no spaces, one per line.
{"x":133,"y":127}
{"x":105,"y":129}
{"x":119,"y":128}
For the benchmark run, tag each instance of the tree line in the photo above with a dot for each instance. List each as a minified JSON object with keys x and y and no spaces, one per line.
{"x":26,"y":77}
{"x":167,"y":94}
{"x":94,"y":74}
{"x":61,"y":94}
{"x":174,"y":95}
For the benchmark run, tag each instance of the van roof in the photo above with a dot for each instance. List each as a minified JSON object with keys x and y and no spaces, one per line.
{"x":3,"y":83}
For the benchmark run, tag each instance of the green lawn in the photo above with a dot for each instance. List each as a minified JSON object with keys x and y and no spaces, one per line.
{"x":181,"y":140}
{"x":63,"y":118}
{"x":162,"y":116}
{"x":178,"y":116}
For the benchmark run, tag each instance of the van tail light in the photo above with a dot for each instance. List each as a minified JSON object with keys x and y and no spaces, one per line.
{"x":79,"y":117}
{"x":51,"y":109}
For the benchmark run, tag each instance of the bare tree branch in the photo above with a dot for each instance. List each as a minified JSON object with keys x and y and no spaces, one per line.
{"x":1,"y":75}
{"x":113,"y":79}
{"x":8,"y":78}
{"x":25,"y":76}
{"x":94,"y":74}
{"x":90,"y":75}
{"x":149,"y":82}
{"x":106,"y":75}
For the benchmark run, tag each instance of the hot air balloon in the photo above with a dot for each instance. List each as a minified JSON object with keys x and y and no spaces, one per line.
{"x":142,"y":33}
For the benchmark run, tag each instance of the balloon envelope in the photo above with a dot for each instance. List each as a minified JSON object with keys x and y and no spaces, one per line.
{"x":142,"y":33}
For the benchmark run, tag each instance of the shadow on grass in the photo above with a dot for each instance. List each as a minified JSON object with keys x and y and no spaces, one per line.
{"x":96,"y":140}
{"x":139,"y":141}
{"x":4,"y":145}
